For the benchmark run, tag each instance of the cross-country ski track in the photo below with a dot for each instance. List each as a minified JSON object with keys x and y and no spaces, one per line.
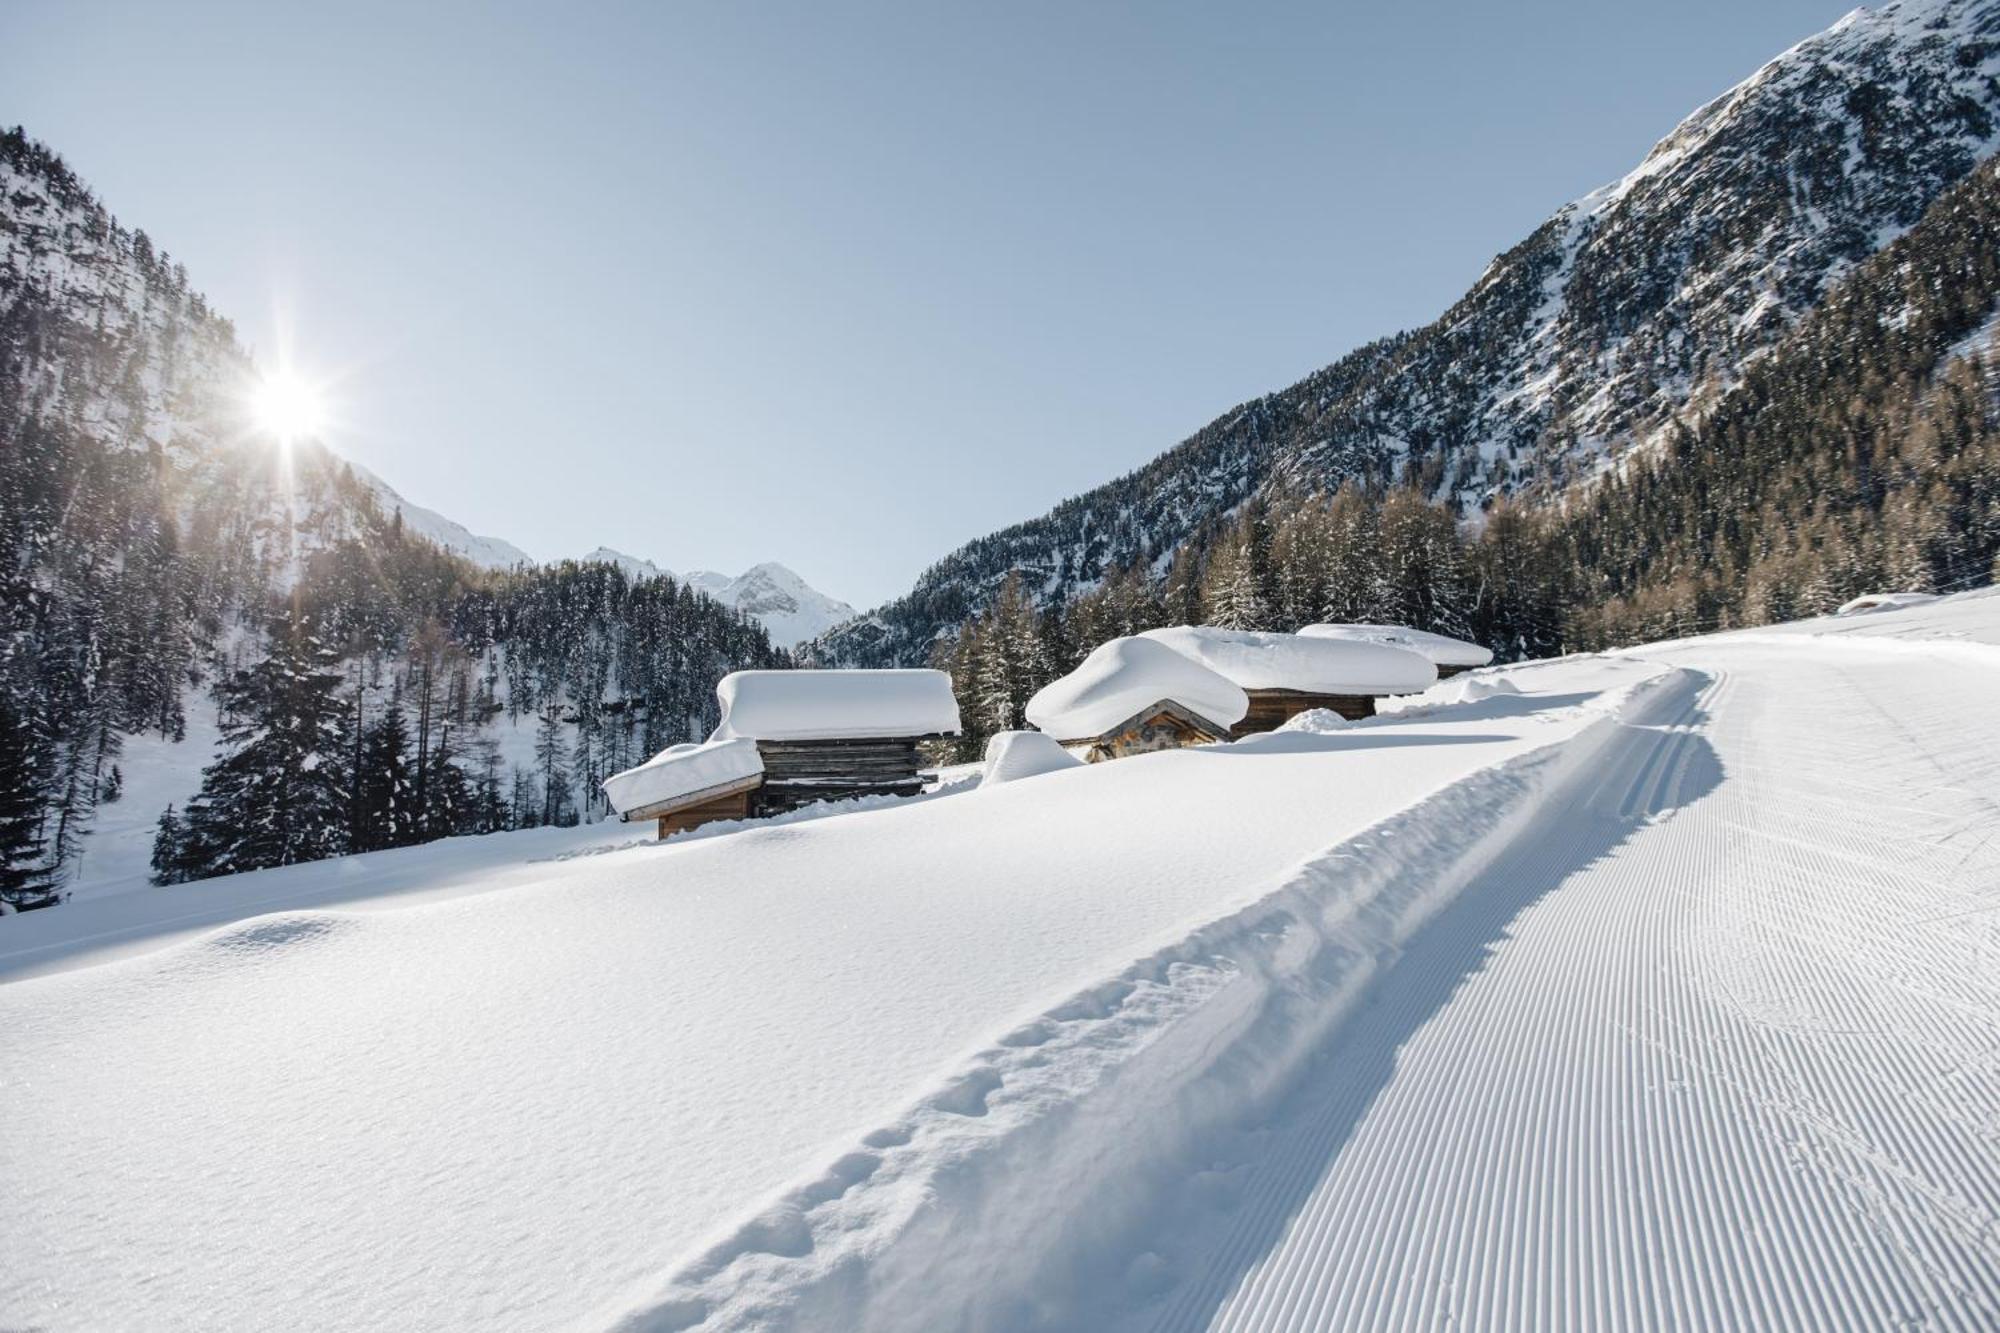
{"x":1638,"y":991}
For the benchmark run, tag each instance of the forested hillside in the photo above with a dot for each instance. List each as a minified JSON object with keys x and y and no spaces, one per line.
{"x":1631,"y":310}
{"x":1862,"y":453}
{"x":163,"y":563}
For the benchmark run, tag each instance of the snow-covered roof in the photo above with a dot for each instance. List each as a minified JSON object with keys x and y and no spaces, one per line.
{"x":680,"y":771}
{"x":1439,"y":648}
{"x":1884,"y":601}
{"x":1258,"y":661}
{"x":1013,"y":755}
{"x":835,"y":705}
{"x":1122,"y":677}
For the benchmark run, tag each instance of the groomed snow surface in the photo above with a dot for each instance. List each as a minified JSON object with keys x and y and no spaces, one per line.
{"x":1652,"y":990}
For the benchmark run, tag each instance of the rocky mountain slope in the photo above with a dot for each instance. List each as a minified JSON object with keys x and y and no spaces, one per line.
{"x":1631,"y":307}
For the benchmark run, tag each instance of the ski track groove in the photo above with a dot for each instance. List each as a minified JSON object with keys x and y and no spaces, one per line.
{"x":1739,"y":1071}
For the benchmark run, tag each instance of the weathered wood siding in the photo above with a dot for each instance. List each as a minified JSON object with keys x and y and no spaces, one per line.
{"x":1164,"y":726}
{"x":1271,"y":709}
{"x":798,"y":773}
{"x":736,"y":805}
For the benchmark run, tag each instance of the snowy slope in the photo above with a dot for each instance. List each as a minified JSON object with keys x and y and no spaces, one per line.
{"x":634,"y":566}
{"x":1639,"y":997}
{"x":507,"y":1108}
{"x":486,"y":552}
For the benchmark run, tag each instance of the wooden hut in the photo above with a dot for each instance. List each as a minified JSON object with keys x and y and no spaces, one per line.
{"x":1283,"y":675}
{"x":686,"y":786}
{"x":1133,"y":696}
{"x":1450,"y":656}
{"x":830,"y":735}
{"x":790,"y":738}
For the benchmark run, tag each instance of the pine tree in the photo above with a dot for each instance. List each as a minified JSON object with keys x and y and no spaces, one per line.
{"x":557,"y":802}
{"x":386,"y":810}
{"x":170,"y":850}
{"x":24,"y":879}
{"x":278,"y":794}
{"x":1230,"y":594}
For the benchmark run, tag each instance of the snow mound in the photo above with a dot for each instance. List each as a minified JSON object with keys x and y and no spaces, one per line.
{"x":1258,"y":661}
{"x":1013,"y":755}
{"x":278,"y":933}
{"x":1467,"y":689}
{"x":1441,"y":649}
{"x":829,"y":705}
{"x":1472,"y":689}
{"x":1315,"y":722}
{"x":1883,"y":601}
{"x":683,"y":770}
{"x":1122,"y":677}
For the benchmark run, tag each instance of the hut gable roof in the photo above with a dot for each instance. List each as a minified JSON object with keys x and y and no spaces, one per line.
{"x":1439,"y":648}
{"x":835,"y":705}
{"x":684,"y":774}
{"x":1124,"y":677}
{"x":1258,"y":661}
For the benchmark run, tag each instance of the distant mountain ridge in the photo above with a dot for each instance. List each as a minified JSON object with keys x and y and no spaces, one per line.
{"x":790,"y":609}
{"x":1630,"y":308}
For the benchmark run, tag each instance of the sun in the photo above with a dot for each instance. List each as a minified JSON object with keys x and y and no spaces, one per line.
{"x":287,"y":407}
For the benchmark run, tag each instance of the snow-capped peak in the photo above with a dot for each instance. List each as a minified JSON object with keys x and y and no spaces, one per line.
{"x":790,"y":609}
{"x":635,"y":567}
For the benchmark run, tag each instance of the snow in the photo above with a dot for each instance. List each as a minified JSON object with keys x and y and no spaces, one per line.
{"x":486,"y":552}
{"x":1013,"y":755}
{"x":1637,"y":994}
{"x":1883,"y":601}
{"x":1317,"y":721}
{"x":1441,"y":649}
{"x":683,"y":770}
{"x":635,"y":568}
{"x":825,"y":705}
{"x":1259,"y":661}
{"x":1124,"y":676}
{"x":790,"y":609}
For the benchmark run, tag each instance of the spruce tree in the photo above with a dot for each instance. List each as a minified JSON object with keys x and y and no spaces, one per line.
{"x":24,"y":880}
{"x":386,"y":810}
{"x":278,"y":793}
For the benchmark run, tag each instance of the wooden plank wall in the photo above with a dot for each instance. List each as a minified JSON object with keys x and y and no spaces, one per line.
{"x":798,"y":773}
{"x":733,"y":806}
{"x":1270,"y":709}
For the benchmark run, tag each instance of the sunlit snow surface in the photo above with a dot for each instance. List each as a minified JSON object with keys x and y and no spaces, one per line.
{"x":1656,"y":994}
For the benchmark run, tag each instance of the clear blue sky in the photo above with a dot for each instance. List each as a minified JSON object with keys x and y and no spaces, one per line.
{"x":838,"y":285}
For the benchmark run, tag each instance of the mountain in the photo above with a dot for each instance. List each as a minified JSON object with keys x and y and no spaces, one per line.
{"x":634,"y":567}
{"x":790,"y":609}
{"x":1630,"y":309}
{"x":486,"y":552}
{"x":201,"y":624}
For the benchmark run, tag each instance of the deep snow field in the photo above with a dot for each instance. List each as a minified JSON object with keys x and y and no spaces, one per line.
{"x":1656,"y":989}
